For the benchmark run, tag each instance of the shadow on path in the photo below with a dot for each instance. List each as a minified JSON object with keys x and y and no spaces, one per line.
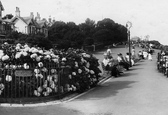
{"x":128,"y":74}
{"x":110,"y":88}
{"x":131,"y":69}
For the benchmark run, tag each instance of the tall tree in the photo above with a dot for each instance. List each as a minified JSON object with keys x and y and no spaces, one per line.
{"x":88,"y":27}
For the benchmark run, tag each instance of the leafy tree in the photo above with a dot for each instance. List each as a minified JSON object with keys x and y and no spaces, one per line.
{"x":57,"y":31}
{"x":72,"y":26}
{"x":39,"y":40}
{"x":103,"y":36}
{"x":8,"y":16}
{"x":106,"y":24}
{"x":75,"y":37}
{"x":88,"y":27}
{"x":89,"y":41}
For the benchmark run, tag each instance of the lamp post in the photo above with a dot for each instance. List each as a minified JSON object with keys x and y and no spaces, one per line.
{"x":128,"y":26}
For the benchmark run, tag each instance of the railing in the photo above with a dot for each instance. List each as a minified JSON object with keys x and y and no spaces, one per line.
{"x":40,"y":84}
{"x":18,"y":84}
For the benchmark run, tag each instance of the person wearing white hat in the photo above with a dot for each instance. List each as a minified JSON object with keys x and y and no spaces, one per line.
{"x":107,"y":64}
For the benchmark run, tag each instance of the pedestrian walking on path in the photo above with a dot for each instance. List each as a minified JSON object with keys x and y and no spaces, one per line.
{"x":149,"y":56}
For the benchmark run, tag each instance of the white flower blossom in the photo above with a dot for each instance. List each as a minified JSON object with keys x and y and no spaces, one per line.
{"x":45,"y":93}
{"x":24,"y":53}
{"x":5,"y":58}
{"x":64,"y":59}
{"x":87,"y":64}
{"x":40,"y":64}
{"x":70,"y":76}
{"x":73,"y":88}
{"x":47,"y":52}
{"x":55,"y":60}
{"x":2,"y":86}
{"x":92,"y":72}
{"x":39,"y":89}
{"x":79,"y":71}
{"x":52,"y":85}
{"x":41,"y":51}
{"x":47,"y":57}
{"x":36,"y":71}
{"x":74,"y":73}
{"x":53,"y":71}
{"x":1,"y":54}
{"x":17,"y":48}
{"x":45,"y":85}
{"x":49,"y":78}
{"x":26,"y":49}
{"x":44,"y":69}
{"x":49,"y":90}
{"x":18,"y":55}
{"x":7,"y":66}
{"x":76,"y":63}
{"x":36,"y":93}
{"x":8,"y":78}
{"x":33,"y":56}
{"x":35,"y":50}
{"x":53,"y":55}
{"x":26,"y":66}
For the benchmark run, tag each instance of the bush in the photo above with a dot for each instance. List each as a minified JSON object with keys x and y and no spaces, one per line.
{"x":89,"y":41}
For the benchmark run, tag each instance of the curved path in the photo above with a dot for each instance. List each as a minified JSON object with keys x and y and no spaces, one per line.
{"x":139,"y":91}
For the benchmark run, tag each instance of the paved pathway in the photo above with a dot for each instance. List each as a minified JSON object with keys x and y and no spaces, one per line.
{"x":140,"y":91}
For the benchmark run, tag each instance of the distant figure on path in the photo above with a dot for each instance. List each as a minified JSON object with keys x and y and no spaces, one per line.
{"x":133,"y":53}
{"x":128,"y":60}
{"x":150,"y":57}
{"x":109,"y":52}
{"x":145,"y":54}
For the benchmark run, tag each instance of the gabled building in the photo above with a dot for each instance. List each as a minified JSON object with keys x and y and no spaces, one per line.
{"x":5,"y":24}
{"x":30,"y":24}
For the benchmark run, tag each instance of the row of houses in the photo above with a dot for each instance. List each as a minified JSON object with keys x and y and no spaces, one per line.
{"x":26,"y":25}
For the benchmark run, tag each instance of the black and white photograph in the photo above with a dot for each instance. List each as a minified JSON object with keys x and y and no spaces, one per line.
{"x":83,"y":57}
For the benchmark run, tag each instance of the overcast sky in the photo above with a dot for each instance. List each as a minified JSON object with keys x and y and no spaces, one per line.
{"x":148,"y":17}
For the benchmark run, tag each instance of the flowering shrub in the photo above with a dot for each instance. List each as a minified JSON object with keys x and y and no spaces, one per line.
{"x":52,"y":71}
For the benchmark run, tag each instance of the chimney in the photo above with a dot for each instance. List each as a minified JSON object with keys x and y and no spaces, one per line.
{"x":38,"y":17}
{"x":17,"y":12}
{"x":32,"y":15}
{"x":53,"y":20}
{"x":49,"y":19}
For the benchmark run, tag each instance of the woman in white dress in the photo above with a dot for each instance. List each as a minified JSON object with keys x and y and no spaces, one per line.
{"x":149,"y":57}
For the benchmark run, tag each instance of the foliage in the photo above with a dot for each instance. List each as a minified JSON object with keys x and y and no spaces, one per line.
{"x":89,"y":41}
{"x":75,"y":70}
{"x":39,"y":40}
{"x":88,"y":27}
{"x":65,"y":35}
{"x":8,"y":16}
{"x":154,"y":42}
{"x":105,"y":32}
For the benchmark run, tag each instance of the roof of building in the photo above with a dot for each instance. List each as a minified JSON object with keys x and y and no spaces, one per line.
{"x":41,"y":23}
{"x":29,"y":20}
{"x":7,"y":20}
{"x":1,"y":6}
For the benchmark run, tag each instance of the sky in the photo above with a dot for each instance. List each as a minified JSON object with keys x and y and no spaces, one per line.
{"x":148,"y":17}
